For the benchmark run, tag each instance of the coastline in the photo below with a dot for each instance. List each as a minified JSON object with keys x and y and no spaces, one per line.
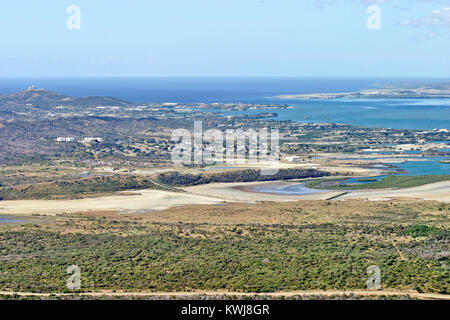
{"x":382,"y":93}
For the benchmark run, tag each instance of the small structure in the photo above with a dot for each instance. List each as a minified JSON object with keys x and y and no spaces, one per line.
{"x":92,"y":140}
{"x":65,"y":139}
{"x":293,"y":159}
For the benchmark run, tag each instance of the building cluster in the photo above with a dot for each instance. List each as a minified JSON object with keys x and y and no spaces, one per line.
{"x":71,"y":139}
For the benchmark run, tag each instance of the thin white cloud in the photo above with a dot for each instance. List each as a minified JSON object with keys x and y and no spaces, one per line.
{"x":324,"y":3}
{"x":437,"y":18}
{"x":430,"y":26}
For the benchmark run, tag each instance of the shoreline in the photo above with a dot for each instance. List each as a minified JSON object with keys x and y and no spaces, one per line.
{"x":248,"y":188}
{"x":240,"y":192}
{"x":211,"y":194}
{"x":382,"y":93}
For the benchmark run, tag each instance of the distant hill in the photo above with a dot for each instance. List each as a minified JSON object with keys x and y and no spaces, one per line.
{"x":42,"y":98}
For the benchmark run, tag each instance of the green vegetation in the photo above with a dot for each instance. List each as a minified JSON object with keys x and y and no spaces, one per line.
{"x":304,"y":251}
{"x":366,"y":180}
{"x":77,"y":188}
{"x":315,"y":257}
{"x":386,"y":182}
{"x":175,"y":178}
{"x":424,"y":231}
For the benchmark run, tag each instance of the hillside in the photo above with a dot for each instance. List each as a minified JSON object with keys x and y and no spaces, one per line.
{"x":44,"y":99}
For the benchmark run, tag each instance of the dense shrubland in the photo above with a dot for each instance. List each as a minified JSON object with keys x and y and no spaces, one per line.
{"x":77,"y":188}
{"x":303,"y":250}
{"x":174,"y":178}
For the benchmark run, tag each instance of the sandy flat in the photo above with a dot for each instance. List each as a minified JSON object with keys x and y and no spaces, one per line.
{"x":145,"y":200}
{"x":439,"y":191}
{"x":239,"y":192}
{"x":153,"y":200}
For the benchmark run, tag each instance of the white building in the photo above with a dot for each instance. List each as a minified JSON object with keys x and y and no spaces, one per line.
{"x":92,"y":140}
{"x":65,"y":139}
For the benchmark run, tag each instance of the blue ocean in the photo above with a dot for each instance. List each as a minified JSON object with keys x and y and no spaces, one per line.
{"x":398,"y":113}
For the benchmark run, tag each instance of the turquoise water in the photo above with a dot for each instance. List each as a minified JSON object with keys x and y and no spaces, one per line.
{"x":398,"y":113}
{"x":218,"y":168}
{"x":412,"y":168}
{"x":394,"y":152}
{"x":409,"y":168}
{"x":295,"y":189}
{"x":395,"y":113}
{"x":415,"y":168}
{"x":432,"y":167}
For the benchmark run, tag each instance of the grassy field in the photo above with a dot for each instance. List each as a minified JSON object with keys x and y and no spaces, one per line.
{"x":265,"y":247}
{"x":386,"y":182}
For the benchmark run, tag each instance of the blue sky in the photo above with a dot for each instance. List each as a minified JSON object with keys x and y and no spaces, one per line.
{"x":225,"y":38}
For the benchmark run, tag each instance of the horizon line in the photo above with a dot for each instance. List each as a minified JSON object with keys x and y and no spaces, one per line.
{"x":229,"y":76}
